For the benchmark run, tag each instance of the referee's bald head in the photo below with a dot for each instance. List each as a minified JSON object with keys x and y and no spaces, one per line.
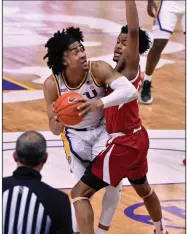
{"x":31,"y":148}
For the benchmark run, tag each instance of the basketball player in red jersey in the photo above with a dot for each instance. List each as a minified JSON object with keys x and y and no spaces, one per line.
{"x":126,"y":152}
{"x":66,"y":57}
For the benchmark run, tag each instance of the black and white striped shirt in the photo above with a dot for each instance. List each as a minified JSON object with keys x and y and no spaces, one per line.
{"x":32,"y":207}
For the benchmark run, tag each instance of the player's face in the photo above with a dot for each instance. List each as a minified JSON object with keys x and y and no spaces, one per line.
{"x":75,"y":57}
{"x":120,"y":46}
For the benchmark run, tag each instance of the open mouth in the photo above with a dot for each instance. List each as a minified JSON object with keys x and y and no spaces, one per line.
{"x":84,"y":62}
{"x":117,"y":54}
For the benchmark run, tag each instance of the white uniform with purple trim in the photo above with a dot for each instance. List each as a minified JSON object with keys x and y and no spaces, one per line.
{"x":84,"y":141}
{"x":167,"y":15}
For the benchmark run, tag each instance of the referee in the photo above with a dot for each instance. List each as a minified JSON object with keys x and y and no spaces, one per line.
{"x":29,"y":205}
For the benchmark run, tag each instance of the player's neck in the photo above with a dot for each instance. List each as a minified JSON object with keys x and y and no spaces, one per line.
{"x":130,"y":74}
{"x":74,"y":78}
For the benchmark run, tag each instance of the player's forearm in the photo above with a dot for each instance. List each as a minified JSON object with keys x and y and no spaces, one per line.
{"x":132,"y":16}
{"x":124,"y":92}
{"x":55,"y":127}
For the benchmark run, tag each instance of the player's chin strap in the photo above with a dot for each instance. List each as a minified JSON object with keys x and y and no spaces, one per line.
{"x":149,"y":194}
{"x":78,"y":199}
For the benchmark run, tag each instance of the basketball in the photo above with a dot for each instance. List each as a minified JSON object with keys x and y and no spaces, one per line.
{"x":66,"y":108}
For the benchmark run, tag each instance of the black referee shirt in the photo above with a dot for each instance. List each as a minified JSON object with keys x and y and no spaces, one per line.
{"x":31,"y":206}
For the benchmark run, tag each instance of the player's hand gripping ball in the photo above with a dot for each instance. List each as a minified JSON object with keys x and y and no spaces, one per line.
{"x":66,"y":110}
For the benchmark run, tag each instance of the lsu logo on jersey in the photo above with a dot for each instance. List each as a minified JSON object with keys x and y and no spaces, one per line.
{"x":91,"y":93}
{"x":173,"y":213}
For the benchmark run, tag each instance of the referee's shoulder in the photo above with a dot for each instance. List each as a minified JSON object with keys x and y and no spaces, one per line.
{"x":7,"y":178}
{"x":55,"y":192}
{"x":7,"y":182}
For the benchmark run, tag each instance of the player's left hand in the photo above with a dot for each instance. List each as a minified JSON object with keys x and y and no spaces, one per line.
{"x":90,"y":105}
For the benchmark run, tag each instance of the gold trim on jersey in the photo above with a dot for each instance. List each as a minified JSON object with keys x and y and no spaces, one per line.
{"x":57,"y":85}
{"x":93,"y":77}
{"x":78,"y":87}
{"x":66,"y":146}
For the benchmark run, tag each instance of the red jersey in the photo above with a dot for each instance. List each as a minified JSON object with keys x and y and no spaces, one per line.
{"x":124,"y":118}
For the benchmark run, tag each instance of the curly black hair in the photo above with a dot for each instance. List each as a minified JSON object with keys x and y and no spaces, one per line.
{"x":58,"y":44}
{"x":144,"y":39}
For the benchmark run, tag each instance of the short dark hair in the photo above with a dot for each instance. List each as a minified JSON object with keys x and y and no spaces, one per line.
{"x":144,"y":39}
{"x":58,"y":44}
{"x":31,"y":148}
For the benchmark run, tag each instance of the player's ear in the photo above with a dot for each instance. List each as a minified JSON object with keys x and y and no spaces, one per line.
{"x":65,"y":60}
{"x":65,"y":63}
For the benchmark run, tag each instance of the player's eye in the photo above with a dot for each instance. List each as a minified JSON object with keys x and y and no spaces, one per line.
{"x":76,"y":52}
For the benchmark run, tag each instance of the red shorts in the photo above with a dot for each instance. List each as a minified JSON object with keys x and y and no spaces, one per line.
{"x":125,"y":156}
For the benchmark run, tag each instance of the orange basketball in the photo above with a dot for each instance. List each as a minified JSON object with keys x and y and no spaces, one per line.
{"x":66,"y":108}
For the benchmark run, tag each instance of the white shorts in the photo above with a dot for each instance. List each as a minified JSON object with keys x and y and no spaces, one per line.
{"x":82,"y":147}
{"x":167,"y":16}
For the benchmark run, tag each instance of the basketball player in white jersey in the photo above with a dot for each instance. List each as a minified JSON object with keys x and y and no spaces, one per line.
{"x":82,"y":142}
{"x":167,"y":14}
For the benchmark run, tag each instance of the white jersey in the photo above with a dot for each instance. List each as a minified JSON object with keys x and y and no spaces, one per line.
{"x":90,"y":89}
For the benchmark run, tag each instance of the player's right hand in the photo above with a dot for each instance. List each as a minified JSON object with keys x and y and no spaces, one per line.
{"x":151,"y":8}
{"x":89,"y":106}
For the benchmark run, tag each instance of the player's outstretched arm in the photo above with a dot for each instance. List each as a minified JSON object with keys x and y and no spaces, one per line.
{"x":124,"y":91}
{"x":50,"y":95}
{"x":131,"y":53}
